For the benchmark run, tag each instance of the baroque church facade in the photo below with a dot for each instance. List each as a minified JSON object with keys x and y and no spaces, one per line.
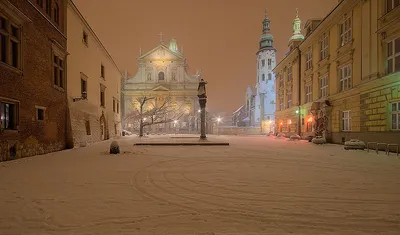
{"x":259,"y":107}
{"x":162,"y":74}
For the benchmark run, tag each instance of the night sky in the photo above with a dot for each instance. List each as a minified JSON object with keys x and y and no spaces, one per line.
{"x":219,"y":36}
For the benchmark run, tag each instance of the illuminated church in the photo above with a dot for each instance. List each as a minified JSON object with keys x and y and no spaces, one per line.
{"x":162,"y":72}
{"x":259,"y":107}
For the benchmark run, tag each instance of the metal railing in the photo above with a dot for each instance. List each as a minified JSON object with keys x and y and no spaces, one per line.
{"x":387,"y":147}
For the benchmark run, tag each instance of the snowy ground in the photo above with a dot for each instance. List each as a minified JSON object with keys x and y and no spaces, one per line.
{"x":258,"y":185}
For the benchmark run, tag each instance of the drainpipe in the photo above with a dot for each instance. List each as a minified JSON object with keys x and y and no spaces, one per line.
{"x":299,"y":96}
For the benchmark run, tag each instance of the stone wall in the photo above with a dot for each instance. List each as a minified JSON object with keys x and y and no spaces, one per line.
{"x":237,"y":131}
{"x":78,"y":123}
{"x":32,"y":85}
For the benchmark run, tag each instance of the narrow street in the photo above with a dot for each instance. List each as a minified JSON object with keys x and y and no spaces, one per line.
{"x":257,"y":185}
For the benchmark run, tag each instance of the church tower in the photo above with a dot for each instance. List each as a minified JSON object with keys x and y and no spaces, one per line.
{"x":265,"y":84}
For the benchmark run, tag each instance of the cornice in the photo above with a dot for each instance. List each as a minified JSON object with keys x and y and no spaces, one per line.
{"x":293,"y":54}
{"x":326,"y":24}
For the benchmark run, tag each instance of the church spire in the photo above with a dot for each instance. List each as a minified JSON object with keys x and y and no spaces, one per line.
{"x":297,"y":36}
{"x":266,"y":39}
{"x":266,"y":23}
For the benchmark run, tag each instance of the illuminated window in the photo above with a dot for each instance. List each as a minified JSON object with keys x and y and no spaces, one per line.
{"x":309,"y":60}
{"x":345,"y":78}
{"x":346,"y":121}
{"x":393,"y":58}
{"x":8,"y":115}
{"x":396,"y":116}
{"x":324,"y":47}
{"x":346,"y":31}
{"x":391,"y":4}
{"x":10,"y":44}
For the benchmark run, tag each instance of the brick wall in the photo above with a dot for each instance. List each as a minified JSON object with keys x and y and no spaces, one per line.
{"x":33,"y":85}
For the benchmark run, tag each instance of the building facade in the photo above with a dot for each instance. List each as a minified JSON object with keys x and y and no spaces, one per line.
{"x":94,"y":83}
{"x":162,"y":75}
{"x":348,"y":80}
{"x":33,"y":103}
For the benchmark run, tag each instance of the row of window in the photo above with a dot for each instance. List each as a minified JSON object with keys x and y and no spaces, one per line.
{"x":10,"y":44}
{"x":345,"y":74}
{"x":51,"y":8}
{"x":161,"y":76}
{"x":263,"y":63}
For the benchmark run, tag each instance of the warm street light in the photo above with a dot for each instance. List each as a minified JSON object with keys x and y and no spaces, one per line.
{"x":144,"y":119}
{"x":199,"y":111}
{"x":270,"y":122}
{"x":218,"y":119}
{"x":175,"y":121}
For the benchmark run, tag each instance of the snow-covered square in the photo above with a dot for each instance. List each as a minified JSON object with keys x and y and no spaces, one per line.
{"x":257,"y":185}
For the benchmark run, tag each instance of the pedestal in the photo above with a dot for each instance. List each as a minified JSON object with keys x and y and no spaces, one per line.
{"x":203,"y":102}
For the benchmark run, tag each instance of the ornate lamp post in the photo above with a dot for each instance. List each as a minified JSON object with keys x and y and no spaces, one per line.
{"x":202,"y":100}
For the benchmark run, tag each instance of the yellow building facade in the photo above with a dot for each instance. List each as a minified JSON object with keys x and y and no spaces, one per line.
{"x":94,"y":83}
{"x":348,"y":80}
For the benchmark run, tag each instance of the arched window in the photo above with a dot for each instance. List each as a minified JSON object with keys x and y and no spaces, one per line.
{"x":269,"y":76}
{"x":149,"y":76}
{"x":263,"y":77}
{"x":56,"y":13}
{"x":161,"y":76}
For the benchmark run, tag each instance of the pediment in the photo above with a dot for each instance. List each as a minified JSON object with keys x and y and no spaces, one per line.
{"x":161,"y":52}
{"x":160,"y":88}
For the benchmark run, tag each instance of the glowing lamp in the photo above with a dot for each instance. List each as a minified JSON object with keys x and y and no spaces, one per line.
{"x":310,"y":119}
{"x":289,"y":121}
{"x":175,"y":121}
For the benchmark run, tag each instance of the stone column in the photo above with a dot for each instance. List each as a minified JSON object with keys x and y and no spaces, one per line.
{"x":203,"y":102}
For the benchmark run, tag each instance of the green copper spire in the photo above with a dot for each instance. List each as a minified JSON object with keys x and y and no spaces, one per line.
{"x":173,"y":46}
{"x":266,"y":39}
{"x":297,"y":28}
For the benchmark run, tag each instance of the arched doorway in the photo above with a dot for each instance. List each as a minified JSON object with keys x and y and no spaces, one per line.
{"x":102,"y":127}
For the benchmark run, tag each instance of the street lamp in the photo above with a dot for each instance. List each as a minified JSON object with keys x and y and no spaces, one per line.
{"x":83,"y":97}
{"x":176,"y":127}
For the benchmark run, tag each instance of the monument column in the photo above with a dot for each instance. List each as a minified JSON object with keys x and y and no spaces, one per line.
{"x":202,"y":101}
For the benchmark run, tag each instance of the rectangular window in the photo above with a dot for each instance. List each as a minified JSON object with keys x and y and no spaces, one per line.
{"x":281,"y":103}
{"x":85,"y":38}
{"x":102,"y":97}
{"x":309,"y":60}
{"x":58,"y":71}
{"x":114,"y":105}
{"x":83,"y":87}
{"x":117,"y":106}
{"x":346,"y":121}
{"x":115,"y":128}
{"x":324,"y":46}
{"x":396,"y":116}
{"x":392,"y":4}
{"x":346,"y":30}
{"x":289,"y":99}
{"x":10,"y":44}
{"x":87,"y":127}
{"x":262,"y":63}
{"x":40,"y":114}
{"x":323,"y":86}
{"x":269,"y":63}
{"x":308,"y":93}
{"x":102,"y":72}
{"x":8,"y":115}
{"x":290,"y":73}
{"x":393,"y":56}
{"x":345,"y":78}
